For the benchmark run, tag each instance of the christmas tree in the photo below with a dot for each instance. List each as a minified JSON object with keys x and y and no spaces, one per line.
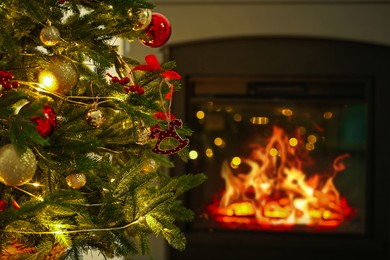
{"x":86,"y":134}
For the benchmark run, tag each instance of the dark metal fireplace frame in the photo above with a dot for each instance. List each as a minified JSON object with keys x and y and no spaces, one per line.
{"x":292,"y":57}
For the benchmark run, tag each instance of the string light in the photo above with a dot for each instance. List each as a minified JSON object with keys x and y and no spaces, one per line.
{"x":48,"y":81}
{"x":62,"y":231}
{"x":193,"y":154}
{"x":293,"y":141}
{"x":35,"y":184}
{"x":200,"y":114}
{"x":209,"y":152}
{"x":273,"y":152}
{"x":28,"y":193}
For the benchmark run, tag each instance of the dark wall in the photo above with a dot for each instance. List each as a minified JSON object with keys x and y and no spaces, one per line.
{"x":296,"y":57}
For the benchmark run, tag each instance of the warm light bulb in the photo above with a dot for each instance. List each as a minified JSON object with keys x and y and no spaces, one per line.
{"x":312,"y":139}
{"x":237,"y":117}
{"x":47,"y":80}
{"x":193,"y":154}
{"x":218,"y":141}
{"x":293,"y":141}
{"x":58,"y":232}
{"x":209,"y":152}
{"x":200,"y":114}
{"x":273,"y":152}
{"x":287,"y":112}
{"x":259,"y":120}
{"x":310,"y":146}
{"x":236,"y":161}
{"x":328,"y":115}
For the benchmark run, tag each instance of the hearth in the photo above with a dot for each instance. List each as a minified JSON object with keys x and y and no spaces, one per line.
{"x":291,"y":133}
{"x":280,"y":157}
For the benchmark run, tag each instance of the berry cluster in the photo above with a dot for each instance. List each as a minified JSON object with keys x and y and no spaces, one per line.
{"x":124,"y":81}
{"x":6,"y":80}
{"x":135,"y":88}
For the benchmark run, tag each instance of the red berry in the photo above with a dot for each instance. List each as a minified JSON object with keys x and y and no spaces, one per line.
{"x":133,"y":88}
{"x":115,"y":79}
{"x":140,"y":91}
{"x":15,"y":84}
{"x":124,"y":81}
{"x":7,"y":85}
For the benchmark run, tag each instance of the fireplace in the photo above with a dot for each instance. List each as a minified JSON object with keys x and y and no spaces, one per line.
{"x":291,"y":133}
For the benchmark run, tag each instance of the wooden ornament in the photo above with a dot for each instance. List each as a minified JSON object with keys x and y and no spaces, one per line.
{"x":170,"y":132}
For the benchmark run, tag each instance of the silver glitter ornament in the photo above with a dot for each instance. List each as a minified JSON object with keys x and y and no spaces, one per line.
{"x":16,"y":168}
{"x":95,"y":118}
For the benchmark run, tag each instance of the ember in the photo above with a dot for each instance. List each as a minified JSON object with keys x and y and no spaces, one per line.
{"x":277,"y":192}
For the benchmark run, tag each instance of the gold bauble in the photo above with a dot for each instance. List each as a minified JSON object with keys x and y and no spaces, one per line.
{"x":50,"y":35}
{"x":16,"y":168}
{"x":60,"y":76}
{"x":76,"y":180}
{"x":143,"y":17}
{"x":143,"y":135}
{"x":150,"y":166}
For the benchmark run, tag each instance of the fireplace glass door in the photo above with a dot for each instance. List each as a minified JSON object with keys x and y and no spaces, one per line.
{"x":280,"y":154}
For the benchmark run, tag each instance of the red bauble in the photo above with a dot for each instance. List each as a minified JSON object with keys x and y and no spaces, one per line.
{"x":158,"y":31}
{"x":46,"y":125}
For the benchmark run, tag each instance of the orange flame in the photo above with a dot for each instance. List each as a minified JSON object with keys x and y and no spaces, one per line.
{"x":277,"y":193}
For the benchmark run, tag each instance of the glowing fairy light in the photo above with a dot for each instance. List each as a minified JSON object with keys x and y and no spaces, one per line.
{"x":200,"y":114}
{"x":29,"y":193}
{"x":193,"y":154}
{"x":236,"y":161}
{"x":273,"y":152}
{"x":209,"y":153}
{"x":328,"y":115}
{"x":293,"y":141}
{"x":47,"y":80}
{"x":259,"y":120}
{"x":58,"y":229}
{"x":312,"y":139}
{"x":218,"y":141}
{"x":287,"y":112}
{"x":237,"y":117}
{"x":309,"y":146}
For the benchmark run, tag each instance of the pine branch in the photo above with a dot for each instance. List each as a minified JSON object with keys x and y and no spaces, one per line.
{"x":118,"y":174}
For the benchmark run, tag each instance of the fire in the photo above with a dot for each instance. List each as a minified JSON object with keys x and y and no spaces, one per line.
{"x":277,"y":193}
